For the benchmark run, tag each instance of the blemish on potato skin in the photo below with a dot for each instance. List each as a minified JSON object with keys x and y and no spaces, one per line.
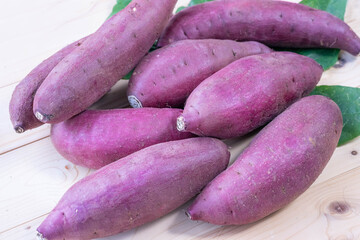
{"x":339,"y":207}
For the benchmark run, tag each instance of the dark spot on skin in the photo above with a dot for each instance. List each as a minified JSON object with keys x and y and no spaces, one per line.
{"x":163,"y":76}
{"x":185,"y":63}
{"x":197,"y":28}
{"x":273,"y":30}
{"x":78,"y":44}
{"x":239,"y":173}
{"x":230,"y":13}
{"x":354,"y":153}
{"x":336,"y":131}
{"x":293,"y":80}
{"x":281,"y":15}
{"x":95,"y":233}
{"x":213,"y":52}
{"x":292,"y":29}
{"x":186,"y":34}
{"x":231,"y":211}
{"x":134,"y":35}
{"x":173,"y":70}
{"x":154,"y":83}
{"x":234,"y":53}
{"x":84,"y":70}
{"x":312,"y":20}
{"x":141,"y":94}
{"x":339,"y":207}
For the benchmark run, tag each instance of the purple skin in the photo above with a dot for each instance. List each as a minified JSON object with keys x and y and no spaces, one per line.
{"x":166,"y":77}
{"x":274,"y":23}
{"x":281,"y":162}
{"x":96,"y":138}
{"x":248,"y":93}
{"x":89,"y":72}
{"x":21,"y":103}
{"x":136,"y":189}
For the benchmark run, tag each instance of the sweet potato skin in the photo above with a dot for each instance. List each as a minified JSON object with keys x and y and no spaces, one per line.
{"x":168,"y":75}
{"x":89,"y":72}
{"x":248,"y":93}
{"x":274,"y":23}
{"x":136,"y":189}
{"x":96,"y":138}
{"x":281,"y":162}
{"x":21,"y":103}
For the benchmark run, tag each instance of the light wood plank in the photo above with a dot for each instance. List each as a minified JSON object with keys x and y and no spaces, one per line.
{"x":33,"y":30}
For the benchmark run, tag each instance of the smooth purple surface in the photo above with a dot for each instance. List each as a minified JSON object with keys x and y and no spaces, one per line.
{"x":274,"y":23}
{"x":136,"y":189}
{"x":96,"y":138}
{"x":21,"y":103}
{"x":281,"y":162}
{"x":248,"y":93}
{"x":89,"y":72}
{"x":168,"y":75}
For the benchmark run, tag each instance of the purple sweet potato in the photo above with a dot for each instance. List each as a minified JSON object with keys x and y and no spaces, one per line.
{"x":168,"y":75}
{"x":281,"y":162}
{"x":248,"y":93}
{"x":136,"y":189}
{"x":89,"y":72}
{"x":274,"y":23}
{"x":21,"y":103}
{"x":96,"y":138}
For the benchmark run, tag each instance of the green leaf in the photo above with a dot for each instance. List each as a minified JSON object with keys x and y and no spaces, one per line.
{"x":180,"y":8}
{"x":195,"y":2}
{"x":120,"y":5}
{"x":348,"y":99}
{"x":335,"y":7}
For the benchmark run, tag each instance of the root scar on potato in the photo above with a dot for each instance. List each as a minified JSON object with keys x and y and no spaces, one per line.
{"x":134,"y":102}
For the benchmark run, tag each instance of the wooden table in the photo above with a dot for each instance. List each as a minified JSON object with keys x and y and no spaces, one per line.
{"x":33,"y":176}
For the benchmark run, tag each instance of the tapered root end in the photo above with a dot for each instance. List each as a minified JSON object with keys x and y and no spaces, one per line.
{"x":19,"y":129}
{"x":134,"y":102}
{"x":39,"y":236}
{"x":180,"y":124}
{"x":43,"y":117}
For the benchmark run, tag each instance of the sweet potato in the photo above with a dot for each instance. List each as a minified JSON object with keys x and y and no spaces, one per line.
{"x":96,"y":138}
{"x":168,"y":75}
{"x":21,"y":103}
{"x":281,"y":162}
{"x":136,"y":189}
{"x":274,"y":23}
{"x":89,"y":72}
{"x":248,"y":93}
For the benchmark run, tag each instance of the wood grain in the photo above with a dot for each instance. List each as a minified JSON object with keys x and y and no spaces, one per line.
{"x":33,"y":176}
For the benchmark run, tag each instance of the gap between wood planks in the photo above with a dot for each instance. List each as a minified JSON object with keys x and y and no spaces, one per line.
{"x":24,"y":145}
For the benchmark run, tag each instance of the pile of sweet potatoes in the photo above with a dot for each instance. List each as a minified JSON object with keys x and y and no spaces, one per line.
{"x":213,"y":65}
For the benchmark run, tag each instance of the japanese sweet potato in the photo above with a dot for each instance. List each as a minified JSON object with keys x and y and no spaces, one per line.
{"x":248,"y":93}
{"x":96,"y":138}
{"x":274,"y":23}
{"x":281,"y":162}
{"x":168,"y":75}
{"x":89,"y":72}
{"x":136,"y":189}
